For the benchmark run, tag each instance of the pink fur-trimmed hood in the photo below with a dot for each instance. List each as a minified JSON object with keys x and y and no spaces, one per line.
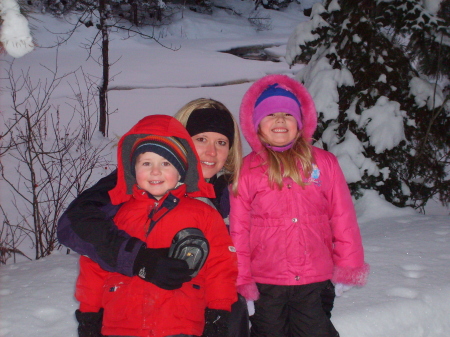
{"x":308,"y":110}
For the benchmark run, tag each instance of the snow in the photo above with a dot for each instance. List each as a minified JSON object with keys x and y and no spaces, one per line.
{"x":322,"y":82}
{"x":15,"y":33}
{"x":384,"y":124}
{"x":350,"y":156}
{"x":426,"y":94}
{"x":408,"y":292}
{"x":432,"y":5}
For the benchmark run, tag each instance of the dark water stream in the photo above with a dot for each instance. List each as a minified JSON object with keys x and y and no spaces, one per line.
{"x":257,"y":52}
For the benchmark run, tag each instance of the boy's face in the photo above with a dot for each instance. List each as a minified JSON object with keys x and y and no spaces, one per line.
{"x":155,"y":174}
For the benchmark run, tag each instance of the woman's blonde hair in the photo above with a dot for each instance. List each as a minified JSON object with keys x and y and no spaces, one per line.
{"x":286,"y":163}
{"x":234,"y":161}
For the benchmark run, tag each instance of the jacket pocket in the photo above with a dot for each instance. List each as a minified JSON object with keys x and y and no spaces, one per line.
{"x":190,"y":303}
{"x":122,"y":302}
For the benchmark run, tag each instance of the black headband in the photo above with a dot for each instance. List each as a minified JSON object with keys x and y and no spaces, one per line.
{"x":211,"y":120}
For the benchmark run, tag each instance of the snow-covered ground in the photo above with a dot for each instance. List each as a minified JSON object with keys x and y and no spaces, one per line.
{"x":408,"y":293}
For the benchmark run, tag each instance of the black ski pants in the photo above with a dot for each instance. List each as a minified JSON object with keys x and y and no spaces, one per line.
{"x":294,"y":311}
{"x":239,"y":324}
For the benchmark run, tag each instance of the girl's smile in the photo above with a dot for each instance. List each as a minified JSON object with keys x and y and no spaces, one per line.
{"x":279,"y":129}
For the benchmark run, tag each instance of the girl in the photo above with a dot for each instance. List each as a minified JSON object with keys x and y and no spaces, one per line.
{"x":293,"y":222}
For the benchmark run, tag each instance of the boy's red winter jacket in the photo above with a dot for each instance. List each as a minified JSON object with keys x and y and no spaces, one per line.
{"x":135,"y":307}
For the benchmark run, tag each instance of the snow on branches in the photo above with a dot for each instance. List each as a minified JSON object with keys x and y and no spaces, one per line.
{"x":15,"y":35}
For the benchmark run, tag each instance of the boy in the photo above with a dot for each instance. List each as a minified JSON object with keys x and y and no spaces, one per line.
{"x":158,"y":175}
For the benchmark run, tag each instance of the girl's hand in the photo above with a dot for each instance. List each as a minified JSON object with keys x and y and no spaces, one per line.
{"x":251,"y":308}
{"x":249,"y":291}
{"x":340,"y":288}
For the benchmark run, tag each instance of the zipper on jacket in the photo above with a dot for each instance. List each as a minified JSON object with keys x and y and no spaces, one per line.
{"x":153,"y":211}
{"x":150,"y":216}
{"x":157,"y":214}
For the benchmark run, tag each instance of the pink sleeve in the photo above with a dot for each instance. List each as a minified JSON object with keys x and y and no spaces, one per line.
{"x":348,"y":251}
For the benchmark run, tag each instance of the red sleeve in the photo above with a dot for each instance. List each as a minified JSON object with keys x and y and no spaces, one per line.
{"x":221,"y":265}
{"x":89,"y":286}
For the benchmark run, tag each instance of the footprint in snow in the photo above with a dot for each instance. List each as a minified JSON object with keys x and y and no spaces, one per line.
{"x":4,"y":278}
{"x":5,"y":292}
{"x":403,"y":221}
{"x":5,"y":328}
{"x":373,"y":249}
{"x":402,"y":292}
{"x":48,"y":314}
{"x":413,"y":270}
{"x":441,"y":239}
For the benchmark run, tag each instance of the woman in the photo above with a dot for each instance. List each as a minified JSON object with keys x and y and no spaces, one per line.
{"x":87,"y":226}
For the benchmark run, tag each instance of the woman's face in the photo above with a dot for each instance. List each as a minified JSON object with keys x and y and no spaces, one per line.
{"x":213,"y":149}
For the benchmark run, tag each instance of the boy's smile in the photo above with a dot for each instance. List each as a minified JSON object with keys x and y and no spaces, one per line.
{"x":155,"y":174}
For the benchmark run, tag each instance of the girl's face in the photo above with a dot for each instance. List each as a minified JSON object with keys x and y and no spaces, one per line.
{"x":212,"y":149}
{"x":279,"y":129}
{"x":155,"y":174}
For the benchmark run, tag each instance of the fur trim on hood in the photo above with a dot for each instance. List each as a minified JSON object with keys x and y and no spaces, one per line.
{"x":309,"y":115}
{"x":160,"y":125}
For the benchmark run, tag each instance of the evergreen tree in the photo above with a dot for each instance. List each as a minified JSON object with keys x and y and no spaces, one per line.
{"x":138,"y":12}
{"x":368,"y":67}
{"x":272,"y":4}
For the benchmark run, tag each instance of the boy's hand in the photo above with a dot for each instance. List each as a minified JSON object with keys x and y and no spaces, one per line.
{"x":216,"y":324}
{"x":89,"y":323}
{"x":153,"y":265}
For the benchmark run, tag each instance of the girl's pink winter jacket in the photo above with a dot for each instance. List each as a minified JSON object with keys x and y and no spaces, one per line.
{"x":296,"y":235}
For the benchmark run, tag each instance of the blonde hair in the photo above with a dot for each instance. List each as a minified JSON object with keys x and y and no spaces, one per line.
{"x":286,"y":164}
{"x":234,"y":161}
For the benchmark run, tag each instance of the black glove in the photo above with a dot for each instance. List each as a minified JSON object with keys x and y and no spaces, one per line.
{"x":216,"y":324}
{"x":153,"y":265}
{"x":89,"y":323}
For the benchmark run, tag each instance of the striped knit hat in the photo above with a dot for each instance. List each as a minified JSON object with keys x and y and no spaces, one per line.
{"x":169,"y":148}
{"x":276,"y":99}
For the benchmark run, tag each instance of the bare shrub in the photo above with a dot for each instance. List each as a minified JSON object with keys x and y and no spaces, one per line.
{"x":48,"y":154}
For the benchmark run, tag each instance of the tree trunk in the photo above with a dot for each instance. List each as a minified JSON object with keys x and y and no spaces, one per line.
{"x":134,"y":12}
{"x":103,"y":87}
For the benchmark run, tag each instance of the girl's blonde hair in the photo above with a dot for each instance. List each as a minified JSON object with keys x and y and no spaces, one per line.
{"x":234,"y":161}
{"x":286,"y":164}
